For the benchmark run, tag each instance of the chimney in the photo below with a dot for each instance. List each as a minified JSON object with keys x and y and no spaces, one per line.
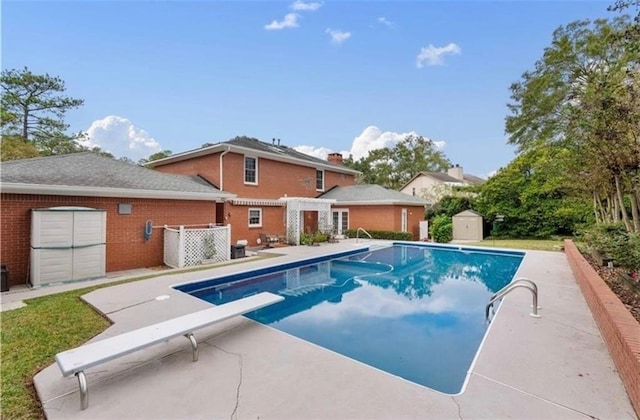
{"x":456,"y":172}
{"x":335,"y":158}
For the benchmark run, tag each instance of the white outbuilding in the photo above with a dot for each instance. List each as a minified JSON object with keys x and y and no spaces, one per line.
{"x":468,"y":226}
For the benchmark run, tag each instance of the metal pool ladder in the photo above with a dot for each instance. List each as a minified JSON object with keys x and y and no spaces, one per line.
{"x":520,"y":282}
{"x":364,"y":231}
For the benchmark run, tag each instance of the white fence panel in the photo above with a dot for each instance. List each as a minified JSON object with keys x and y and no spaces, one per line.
{"x":189,"y":247}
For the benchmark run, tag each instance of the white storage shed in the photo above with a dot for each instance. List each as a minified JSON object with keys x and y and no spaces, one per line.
{"x":468,"y":226}
{"x":67,"y":244}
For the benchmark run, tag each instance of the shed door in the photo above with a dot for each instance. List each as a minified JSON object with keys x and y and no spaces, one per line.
{"x":67,"y":244}
{"x":466,"y":228}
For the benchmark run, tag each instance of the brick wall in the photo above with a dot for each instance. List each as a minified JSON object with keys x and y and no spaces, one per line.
{"x":273,"y":222}
{"x":619,"y":329}
{"x":126,"y":247}
{"x":386,"y":218}
{"x":275,"y":179}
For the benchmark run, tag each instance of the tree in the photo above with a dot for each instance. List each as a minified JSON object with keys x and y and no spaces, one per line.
{"x":583,"y":96}
{"x":158,"y":155}
{"x":14,"y":147}
{"x":33,"y":108}
{"x":631,"y":33}
{"x":534,"y":195}
{"x":394,"y":167}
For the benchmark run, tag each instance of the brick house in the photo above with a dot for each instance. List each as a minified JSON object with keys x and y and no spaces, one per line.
{"x":284,"y":192}
{"x":130,"y":195}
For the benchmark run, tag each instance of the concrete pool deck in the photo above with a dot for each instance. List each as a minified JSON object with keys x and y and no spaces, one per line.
{"x":556,"y":366}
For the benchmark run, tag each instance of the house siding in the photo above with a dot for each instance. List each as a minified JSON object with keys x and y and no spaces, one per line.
{"x":126,"y":247}
{"x":428,"y":188}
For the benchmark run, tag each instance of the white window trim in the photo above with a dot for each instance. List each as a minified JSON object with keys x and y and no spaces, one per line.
{"x":249,"y":217}
{"x":323,"y":179}
{"x":244,"y":172}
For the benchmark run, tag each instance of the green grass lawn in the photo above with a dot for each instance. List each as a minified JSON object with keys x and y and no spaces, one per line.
{"x":532,"y":244}
{"x":31,"y":336}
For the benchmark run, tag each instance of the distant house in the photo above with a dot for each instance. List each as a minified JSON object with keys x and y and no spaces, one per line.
{"x":283,"y":192}
{"x":130,"y":196}
{"x":432,"y":186}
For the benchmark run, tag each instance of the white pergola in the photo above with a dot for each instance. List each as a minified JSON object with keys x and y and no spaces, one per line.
{"x":297,"y":205}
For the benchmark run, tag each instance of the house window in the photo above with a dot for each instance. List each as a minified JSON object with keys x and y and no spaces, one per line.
{"x":250,"y":170}
{"x":255,"y":217}
{"x":320,"y":180}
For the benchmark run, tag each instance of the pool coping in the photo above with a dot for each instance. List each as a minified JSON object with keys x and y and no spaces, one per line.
{"x":620,"y":330}
{"x":523,"y":368}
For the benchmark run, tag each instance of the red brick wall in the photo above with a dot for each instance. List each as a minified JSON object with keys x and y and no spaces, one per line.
{"x":386,"y":218}
{"x":619,"y":329}
{"x":275,"y":179}
{"x":273,"y":222}
{"x":126,"y":247}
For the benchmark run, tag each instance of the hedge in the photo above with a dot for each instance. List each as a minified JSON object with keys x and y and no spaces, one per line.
{"x":381,"y":234}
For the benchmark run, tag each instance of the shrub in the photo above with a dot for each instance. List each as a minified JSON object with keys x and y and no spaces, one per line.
{"x":442,"y":229}
{"x":614,"y":241}
{"x":381,"y":234}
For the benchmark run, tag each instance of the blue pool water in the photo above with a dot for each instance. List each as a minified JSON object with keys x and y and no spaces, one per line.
{"x":415,"y":311}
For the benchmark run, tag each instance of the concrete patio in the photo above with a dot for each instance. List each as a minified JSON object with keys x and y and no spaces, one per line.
{"x":556,"y":366}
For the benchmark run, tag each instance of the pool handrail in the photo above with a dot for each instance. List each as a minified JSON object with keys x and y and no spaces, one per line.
{"x":521,"y":282}
{"x":358,"y":234}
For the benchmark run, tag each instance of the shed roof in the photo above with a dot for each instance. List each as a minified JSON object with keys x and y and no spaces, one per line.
{"x":468,"y":213}
{"x":90,"y":174}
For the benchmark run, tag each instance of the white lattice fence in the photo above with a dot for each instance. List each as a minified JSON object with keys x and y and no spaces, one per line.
{"x":197,"y":246}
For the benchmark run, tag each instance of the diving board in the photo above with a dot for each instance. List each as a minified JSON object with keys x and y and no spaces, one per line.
{"x":77,"y":360}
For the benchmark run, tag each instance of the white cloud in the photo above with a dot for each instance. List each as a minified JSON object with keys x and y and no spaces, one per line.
{"x":319,"y":152}
{"x":461,"y":296}
{"x":338,"y":36}
{"x":290,"y":21}
{"x":383,"y":20}
{"x":434,"y":56}
{"x":301,"y":6}
{"x":118,"y":136}
{"x":371,"y":138}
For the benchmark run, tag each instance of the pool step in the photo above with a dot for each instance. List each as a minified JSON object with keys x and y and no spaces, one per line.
{"x":303,"y":290}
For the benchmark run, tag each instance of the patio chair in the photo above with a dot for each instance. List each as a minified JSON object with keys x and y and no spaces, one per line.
{"x":268,"y":239}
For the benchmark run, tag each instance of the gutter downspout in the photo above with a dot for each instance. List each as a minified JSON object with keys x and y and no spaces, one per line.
{"x":221,"y":170}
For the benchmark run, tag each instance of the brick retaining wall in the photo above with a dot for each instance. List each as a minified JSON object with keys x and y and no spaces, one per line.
{"x":620,"y":330}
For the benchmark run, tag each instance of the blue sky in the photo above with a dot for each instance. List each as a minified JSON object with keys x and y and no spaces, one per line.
{"x":331,"y":76}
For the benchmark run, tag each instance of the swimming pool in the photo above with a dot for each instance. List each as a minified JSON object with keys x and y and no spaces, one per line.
{"x":412,"y":310}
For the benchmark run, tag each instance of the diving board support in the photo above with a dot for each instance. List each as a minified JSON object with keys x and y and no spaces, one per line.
{"x":84,"y":390}
{"x":194,"y":345}
{"x":77,"y":361}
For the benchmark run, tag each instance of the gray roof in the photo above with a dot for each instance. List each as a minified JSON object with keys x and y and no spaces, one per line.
{"x":442,"y":176}
{"x":88,"y":172}
{"x":473,"y":180}
{"x":251,"y":145}
{"x":255,"y":144}
{"x":371,"y":194}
